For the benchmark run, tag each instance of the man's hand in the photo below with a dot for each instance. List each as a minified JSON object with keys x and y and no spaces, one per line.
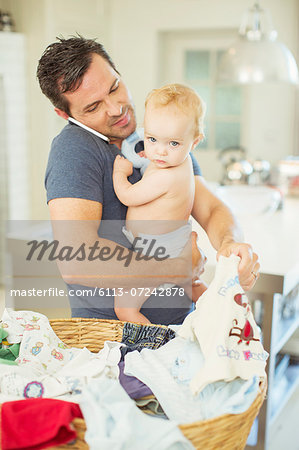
{"x":123,"y":165}
{"x":198,"y":258}
{"x":191,"y":250}
{"x":249,"y":265}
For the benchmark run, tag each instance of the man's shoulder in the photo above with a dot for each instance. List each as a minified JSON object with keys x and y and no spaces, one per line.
{"x":79,"y":146}
{"x":72,"y":134}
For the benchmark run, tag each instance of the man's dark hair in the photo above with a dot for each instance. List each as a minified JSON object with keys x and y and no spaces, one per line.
{"x":63,"y":65}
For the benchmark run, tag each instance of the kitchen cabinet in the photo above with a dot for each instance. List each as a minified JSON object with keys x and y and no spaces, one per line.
{"x":283,"y":379}
{"x":275,"y":238}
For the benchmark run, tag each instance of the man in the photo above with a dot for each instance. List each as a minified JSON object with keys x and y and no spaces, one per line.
{"x":81,"y":81}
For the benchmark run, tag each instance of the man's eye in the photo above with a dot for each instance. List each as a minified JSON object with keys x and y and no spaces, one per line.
{"x":174,"y":143}
{"x":93,"y":108}
{"x":151,"y":139}
{"x":115,"y":87}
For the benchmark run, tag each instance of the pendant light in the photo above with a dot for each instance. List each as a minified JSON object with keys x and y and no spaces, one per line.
{"x":257,"y":56}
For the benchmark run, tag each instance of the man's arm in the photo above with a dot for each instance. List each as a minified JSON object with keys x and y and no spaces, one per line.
{"x":76,"y":221}
{"x":223,"y":231}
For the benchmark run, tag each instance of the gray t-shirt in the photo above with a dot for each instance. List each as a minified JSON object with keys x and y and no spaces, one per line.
{"x":80,"y":165}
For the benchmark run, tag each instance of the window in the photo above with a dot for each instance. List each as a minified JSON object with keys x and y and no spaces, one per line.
{"x":191,"y":58}
{"x":224,"y":103}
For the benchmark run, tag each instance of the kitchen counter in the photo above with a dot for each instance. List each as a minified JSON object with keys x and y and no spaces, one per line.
{"x":274,"y":237}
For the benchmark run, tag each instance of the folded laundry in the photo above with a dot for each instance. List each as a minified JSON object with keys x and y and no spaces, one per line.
{"x":42,"y":423}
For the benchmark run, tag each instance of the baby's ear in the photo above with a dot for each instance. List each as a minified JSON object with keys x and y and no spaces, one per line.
{"x":197,"y":140}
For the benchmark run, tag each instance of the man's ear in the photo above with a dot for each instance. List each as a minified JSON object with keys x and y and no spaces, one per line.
{"x":61,"y":113}
{"x":197,"y":141}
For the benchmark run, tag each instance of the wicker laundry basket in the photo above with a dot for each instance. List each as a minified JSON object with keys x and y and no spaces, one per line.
{"x":226,"y":432}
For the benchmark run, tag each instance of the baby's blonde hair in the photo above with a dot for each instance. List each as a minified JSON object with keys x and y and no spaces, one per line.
{"x":185,"y":98}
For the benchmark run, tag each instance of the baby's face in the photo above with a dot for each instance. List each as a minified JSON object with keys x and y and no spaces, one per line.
{"x":168,"y":135}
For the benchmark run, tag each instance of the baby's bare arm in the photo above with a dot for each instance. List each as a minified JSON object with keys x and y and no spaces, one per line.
{"x":144,"y":191}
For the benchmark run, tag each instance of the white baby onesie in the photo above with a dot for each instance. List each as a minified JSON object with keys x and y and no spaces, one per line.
{"x":225,"y":329}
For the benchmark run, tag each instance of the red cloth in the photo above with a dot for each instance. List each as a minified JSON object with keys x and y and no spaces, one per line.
{"x":37,"y":423}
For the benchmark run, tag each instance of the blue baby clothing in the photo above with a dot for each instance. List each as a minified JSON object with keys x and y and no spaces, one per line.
{"x":114,"y":422}
{"x":132,"y":146}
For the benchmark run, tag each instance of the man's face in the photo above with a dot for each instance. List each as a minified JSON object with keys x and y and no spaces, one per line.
{"x":103,"y":102}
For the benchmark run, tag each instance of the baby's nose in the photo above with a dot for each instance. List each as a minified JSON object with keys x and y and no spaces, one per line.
{"x":162,"y":150}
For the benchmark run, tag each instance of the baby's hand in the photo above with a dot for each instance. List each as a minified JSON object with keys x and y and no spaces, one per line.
{"x":123,"y":165}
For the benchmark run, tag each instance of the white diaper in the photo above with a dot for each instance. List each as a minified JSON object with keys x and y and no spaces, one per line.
{"x":173,"y":242}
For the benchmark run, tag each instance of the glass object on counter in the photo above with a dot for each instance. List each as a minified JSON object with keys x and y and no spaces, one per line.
{"x":288,"y":176}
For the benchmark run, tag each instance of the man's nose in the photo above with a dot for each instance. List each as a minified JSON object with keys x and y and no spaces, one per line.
{"x":113,"y":108}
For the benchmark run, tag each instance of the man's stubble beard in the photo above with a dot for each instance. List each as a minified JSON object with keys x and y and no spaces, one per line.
{"x":127,"y":130}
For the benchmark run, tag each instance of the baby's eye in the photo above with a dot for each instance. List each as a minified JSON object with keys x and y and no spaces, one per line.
{"x":174,"y":143}
{"x":151,"y":139}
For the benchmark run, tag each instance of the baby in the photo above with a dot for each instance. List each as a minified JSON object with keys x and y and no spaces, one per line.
{"x":173,"y":126}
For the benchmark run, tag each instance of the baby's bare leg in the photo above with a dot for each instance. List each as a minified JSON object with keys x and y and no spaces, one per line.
{"x":198,"y":288}
{"x":127,"y":308}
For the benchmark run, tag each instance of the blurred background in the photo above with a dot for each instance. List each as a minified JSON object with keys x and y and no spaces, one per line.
{"x":151,"y":42}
